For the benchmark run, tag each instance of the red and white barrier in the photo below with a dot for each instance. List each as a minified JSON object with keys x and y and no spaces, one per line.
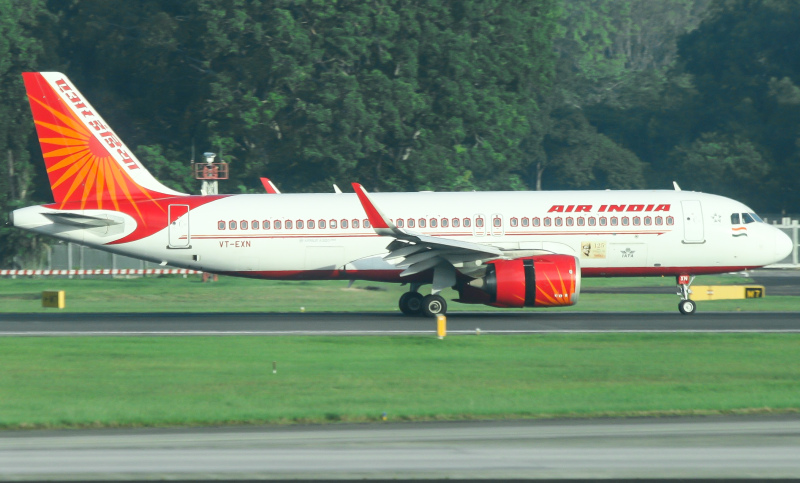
{"x":103,"y":271}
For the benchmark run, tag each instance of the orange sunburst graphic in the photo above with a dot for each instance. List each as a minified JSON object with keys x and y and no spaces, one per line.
{"x":81,"y":169}
{"x":557,"y":293}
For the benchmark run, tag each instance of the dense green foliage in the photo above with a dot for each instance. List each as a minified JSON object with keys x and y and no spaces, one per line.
{"x":420,"y":94}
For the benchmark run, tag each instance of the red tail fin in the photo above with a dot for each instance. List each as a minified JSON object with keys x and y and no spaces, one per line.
{"x":89,"y":167}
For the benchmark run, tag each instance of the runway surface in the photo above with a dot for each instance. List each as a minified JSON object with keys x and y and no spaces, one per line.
{"x":388,"y":323}
{"x":725,"y":447}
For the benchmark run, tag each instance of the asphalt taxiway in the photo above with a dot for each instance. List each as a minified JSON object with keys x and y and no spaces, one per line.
{"x":388,"y":323}
{"x":711,"y":447}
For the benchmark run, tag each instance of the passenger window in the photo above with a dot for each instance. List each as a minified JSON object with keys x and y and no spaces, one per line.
{"x":456,"y":222}
{"x":445,"y":222}
{"x":648,"y":221}
{"x":310,"y":224}
{"x":411,"y":223}
{"x":626,"y":221}
{"x":344,"y":224}
{"x":243,"y":225}
{"x":659,"y":220}
{"x":422,"y":223}
{"x":525,"y":222}
{"x":288,"y":224}
{"x":265,"y":224}
{"x":299,"y":224}
{"x":467,"y":223}
{"x":535,"y":221}
{"x":735,"y":219}
{"x":356,"y":223}
{"x":547,"y":222}
{"x":514,"y":222}
{"x":570,"y":221}
{"x":670,"y":220}
{"x":559,"y":221}
{"x":333,"y":224}
{"x":321,"y":224}
{"x":592,"y":221}
{"x":479,"y":222}
{"x":614,"y":221}
{"x":400,"y":223}
{"x":637,"y":220}
{"x":366,"y":224}
{"x":232,"y":225}
{"x":581,"y":221}
{"x":254,"y":224}
{"x":277,"y":224}
{"x":434,"y":224}
{"x":220,"y":225}
{"x":603,"y":221}
{"x":496,"y":222}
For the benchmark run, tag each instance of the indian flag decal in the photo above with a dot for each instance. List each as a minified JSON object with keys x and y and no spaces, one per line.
{"x":739,"y":231}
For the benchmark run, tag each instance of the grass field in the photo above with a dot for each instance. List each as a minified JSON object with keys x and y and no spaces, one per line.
{"x":179,"y":381}
{"x":177,"y":294}
{"x":98,"y":381}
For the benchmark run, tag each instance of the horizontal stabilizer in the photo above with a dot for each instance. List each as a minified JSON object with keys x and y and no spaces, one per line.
{"x":83,"y":221}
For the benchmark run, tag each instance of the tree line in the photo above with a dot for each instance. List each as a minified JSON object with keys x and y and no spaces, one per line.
{"x":420,"y":94}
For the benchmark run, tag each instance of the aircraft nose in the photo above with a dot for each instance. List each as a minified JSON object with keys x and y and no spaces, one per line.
{"x":783,"y":245}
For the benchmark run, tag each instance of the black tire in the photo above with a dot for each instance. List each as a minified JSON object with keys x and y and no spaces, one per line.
{"x":411,"y":303}
{"x":687,"y":307}
{"x":433,"y":305}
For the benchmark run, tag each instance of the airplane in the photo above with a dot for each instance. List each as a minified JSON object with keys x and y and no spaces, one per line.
{"x":503,"y":249}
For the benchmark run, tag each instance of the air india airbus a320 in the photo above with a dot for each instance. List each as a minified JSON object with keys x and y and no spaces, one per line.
{"x":505,"y":249}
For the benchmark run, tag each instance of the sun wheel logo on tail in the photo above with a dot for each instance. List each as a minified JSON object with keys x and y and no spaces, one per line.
{"x":542,"y":281}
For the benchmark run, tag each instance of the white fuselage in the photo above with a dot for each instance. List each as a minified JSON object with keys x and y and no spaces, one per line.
{"x":323,"y":236}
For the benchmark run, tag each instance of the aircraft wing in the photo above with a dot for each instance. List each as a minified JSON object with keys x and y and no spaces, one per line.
{"x":416,"y":252}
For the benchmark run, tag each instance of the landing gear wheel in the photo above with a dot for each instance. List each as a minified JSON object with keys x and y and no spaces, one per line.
{"x":433,"y":305}
{"x":411,"y":303}
{"x":687,"y":307}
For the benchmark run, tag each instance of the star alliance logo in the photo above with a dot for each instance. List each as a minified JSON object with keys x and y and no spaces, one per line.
{"x":716,"y":218}
{"x":627,"y":253}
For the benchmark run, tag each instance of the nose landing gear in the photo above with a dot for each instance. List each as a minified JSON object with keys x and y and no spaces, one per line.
{"x":685,"y":306}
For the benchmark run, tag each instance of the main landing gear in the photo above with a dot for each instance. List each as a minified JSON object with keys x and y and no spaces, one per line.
{"x":414,"y":303}
{"x":685,"y":306}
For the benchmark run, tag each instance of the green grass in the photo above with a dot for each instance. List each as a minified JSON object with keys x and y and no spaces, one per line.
{"x":177,"y":294}
{"x":131,"y":381}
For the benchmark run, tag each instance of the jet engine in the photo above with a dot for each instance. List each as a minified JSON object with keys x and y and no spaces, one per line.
{"x":538,"y":281}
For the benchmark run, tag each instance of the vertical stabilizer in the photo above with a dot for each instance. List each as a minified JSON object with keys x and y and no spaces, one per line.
{"x":88,"y":165}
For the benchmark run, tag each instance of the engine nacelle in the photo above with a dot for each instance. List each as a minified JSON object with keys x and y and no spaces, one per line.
{"x":540,"y":281}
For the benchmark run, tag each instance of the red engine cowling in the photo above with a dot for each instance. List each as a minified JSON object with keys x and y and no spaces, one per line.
{"x":541,"y":281}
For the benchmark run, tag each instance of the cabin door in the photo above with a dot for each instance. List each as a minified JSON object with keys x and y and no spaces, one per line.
{"x":693,"y":222}
{"x":179,"y":236}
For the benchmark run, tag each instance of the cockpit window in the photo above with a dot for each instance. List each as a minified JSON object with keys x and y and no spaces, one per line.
{"x":735,"y":219}
{"x":746,"y":218}
{"x":757,"y":218}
